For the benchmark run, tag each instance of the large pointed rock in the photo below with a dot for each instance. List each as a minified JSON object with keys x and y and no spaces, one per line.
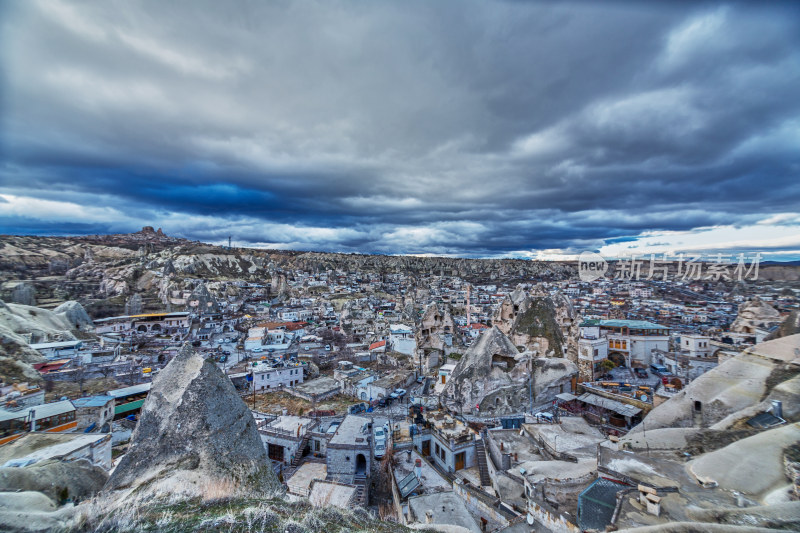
{"x":195,"y":437}
{"x":494,"y":378}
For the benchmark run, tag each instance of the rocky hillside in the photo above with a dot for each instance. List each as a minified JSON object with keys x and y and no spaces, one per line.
{"x":24,"y":324}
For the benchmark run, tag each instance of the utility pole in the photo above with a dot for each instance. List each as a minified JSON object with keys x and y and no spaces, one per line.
{"x":530,"y":386}
{"x":253,"y":375}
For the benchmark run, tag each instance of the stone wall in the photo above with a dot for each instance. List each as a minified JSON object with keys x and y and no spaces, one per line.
{"x":551,"y":519}
{"x":480,"y":506}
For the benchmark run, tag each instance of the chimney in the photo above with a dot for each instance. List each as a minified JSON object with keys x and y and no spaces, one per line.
{"x":429,"y":516}
{"x":418,"y":468}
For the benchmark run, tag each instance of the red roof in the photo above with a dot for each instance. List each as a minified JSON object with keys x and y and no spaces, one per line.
{"x":50,"y":366}
{"x":478,"y":325}
{"x":289,"y":326}
{"x":378,"y":344}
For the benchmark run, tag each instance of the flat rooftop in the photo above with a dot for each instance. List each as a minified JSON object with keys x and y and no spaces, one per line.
{"x":318,"y":386}
{"x":573,"y":433}
{"x":290,"y":423}
{"x":351,"y":429}
{"x":430,"y":478}
{"x":325,"y":493}
{"x":446,"y":508}
{"x":301,"y":480}
{"x":514,"y":443}
{"x":39,"y":446}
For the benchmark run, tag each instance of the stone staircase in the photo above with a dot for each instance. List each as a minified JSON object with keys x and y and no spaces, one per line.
{"x":299,"y":453}
{"x":483,"y":467}
{"x":360,"y":481}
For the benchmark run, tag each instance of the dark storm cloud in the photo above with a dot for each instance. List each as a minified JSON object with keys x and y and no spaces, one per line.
{"x":450,"y":127}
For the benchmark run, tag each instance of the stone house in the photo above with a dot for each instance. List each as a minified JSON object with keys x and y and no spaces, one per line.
{"x":349,"y":452}
{"x":94,"y":411}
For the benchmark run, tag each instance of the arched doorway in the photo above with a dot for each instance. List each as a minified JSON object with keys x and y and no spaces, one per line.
{"x":361,"y":465}
{"x":617,"y":358}
{"x":142,"y":329}
{"x":155,"y":327}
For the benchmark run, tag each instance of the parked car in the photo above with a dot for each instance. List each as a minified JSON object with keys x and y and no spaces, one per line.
{"x":544,"y":416}
{"x":659,"y":370}
{"x":382,"y":402}
{"x":380,"y":449}
{"x":640,"y":373}
{"x":398,"y":393}
{"x":420,"y":379}
{"x":357,"y":408}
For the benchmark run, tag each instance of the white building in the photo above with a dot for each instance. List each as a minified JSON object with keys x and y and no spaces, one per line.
{"x":251,"y":343}
{"x":696,"y":345}
{"x":267,"y":377}
{"x":402,"y":339}
{"x":630,"y":342}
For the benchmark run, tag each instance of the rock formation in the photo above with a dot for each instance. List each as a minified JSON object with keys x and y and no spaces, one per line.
{"x":494,"y":377}
{"x":202,"y":301}
{"x":24,"y":294}
{"x":75,"y":315}
{"x":21,"y":325}
{"x":755,"y":314}
{"x":531,"y":321}
{"x":436,"y":336}
{"x":58,"y":480}
{"x":737,"y":389}
{"x":30,"y":511}
{"x":195,"y":437}
{"x":133,"y":305}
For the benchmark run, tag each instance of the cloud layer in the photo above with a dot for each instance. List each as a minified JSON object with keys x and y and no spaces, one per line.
{"x":474,"y":129}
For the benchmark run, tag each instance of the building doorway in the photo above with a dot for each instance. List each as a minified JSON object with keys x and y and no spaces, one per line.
{"x":426,"y":448}
{"x":460,"y":459}
{"x":275,"y":452}
{"x":361,"y":465}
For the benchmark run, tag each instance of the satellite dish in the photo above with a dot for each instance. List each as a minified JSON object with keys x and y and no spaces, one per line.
{"x":530,"y":519}
{"x":644,"y":397}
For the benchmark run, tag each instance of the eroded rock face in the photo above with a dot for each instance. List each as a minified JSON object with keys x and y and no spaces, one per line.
{"x":494,"y":377}
{"x":755,"y":314}
{"x":437,"y":335}
{"x":74,"y":480}
{"x":24,"y":294}
{"x":74,"y":313}
{"x":535,"y":322}
{"x":195,"y":437}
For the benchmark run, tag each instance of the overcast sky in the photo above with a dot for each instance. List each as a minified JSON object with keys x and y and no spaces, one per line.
{"x":477,"y":129}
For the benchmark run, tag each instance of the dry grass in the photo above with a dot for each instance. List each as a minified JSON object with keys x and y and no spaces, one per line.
{"x":276,"y":402}
{"x":252,"y":515}
{"x":90,"y":387}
